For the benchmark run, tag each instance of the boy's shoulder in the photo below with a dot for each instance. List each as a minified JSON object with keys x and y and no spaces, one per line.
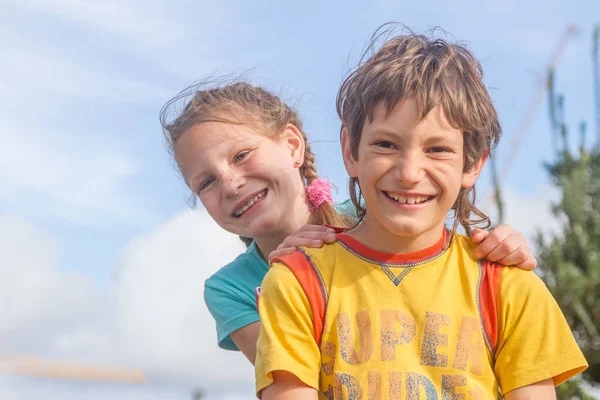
{"x":465,"y":244}
{"x":312,"y":263}
{"x":503,"y":273}
{"x":324,"y":255}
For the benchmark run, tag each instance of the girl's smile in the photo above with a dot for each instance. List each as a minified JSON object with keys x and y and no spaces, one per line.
{"x":250,"y":203}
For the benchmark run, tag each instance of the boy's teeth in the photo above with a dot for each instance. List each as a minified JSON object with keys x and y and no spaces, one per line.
{"x":408,"y":200}
{"x":249,"y":204}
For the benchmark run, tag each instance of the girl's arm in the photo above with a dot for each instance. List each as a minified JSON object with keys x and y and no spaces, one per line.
{"x":503,"y":245}
{"x":245,"y":339}
{"x":287,"y":386}
{"x":543,"y":390}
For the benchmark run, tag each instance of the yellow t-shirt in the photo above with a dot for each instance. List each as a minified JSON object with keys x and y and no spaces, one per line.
{"x":435,"y":324}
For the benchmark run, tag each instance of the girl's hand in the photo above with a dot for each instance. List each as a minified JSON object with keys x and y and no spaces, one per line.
{"x":505,"y":246}
{"x":307,"y":236}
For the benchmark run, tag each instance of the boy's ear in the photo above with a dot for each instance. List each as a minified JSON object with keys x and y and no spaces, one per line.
{"x":470,"y":177}
{"x":294,"y":140}
{"x":349,"y":162}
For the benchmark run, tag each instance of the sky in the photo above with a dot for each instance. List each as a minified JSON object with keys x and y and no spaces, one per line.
{"x":101,"y":259}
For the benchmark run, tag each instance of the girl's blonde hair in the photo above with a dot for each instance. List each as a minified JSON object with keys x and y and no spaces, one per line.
{"x":241,"y":103}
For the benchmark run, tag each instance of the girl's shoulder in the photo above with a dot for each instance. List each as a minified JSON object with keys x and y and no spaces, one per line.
{"x":245,"y":272}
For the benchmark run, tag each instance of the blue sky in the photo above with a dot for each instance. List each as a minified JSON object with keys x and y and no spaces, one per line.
{"x":83,"y":167}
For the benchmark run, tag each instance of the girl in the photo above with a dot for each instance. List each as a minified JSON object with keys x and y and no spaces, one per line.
{"x":244,"y":154}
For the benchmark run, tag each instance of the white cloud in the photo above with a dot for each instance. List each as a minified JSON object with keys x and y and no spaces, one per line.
{"x":162,"y":318}
{"x":42,"y":306}
{"x":153,"y":319}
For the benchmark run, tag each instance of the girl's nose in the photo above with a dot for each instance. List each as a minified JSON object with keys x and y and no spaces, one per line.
{"x":233,"y":183}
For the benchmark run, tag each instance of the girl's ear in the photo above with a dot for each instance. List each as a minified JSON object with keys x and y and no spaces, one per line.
{"x":470,"y":177}
{"x":349,"y":162}
{"x":294,"y":140}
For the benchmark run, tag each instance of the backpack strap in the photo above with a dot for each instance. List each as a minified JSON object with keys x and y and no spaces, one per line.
{"x":489,"y":278}
{"x":312,"y":284}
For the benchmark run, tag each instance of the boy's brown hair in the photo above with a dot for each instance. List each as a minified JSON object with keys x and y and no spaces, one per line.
{"x":434,"y":72}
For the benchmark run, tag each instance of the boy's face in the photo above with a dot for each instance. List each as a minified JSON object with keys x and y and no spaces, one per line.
{"x":410,"y":171}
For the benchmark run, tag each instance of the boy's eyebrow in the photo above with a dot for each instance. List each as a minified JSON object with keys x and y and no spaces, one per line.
{"x":382,"y":130}
{"x":429,"y":137}
{"x":438,"y":137}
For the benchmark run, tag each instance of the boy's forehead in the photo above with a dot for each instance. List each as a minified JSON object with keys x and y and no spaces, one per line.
{"x":405,"y":116}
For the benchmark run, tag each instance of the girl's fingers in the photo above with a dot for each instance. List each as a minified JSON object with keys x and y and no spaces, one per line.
{"x":504,"y":249}
{"x":516,"y":257}
{"x":528,"y":265}
{"x":309,"y":239}
{"x":281,"y":252}
{"x":314,"y":228}
{"x":493,"y":240}
{"x":521,"y":258}
{"x":477,"y":235}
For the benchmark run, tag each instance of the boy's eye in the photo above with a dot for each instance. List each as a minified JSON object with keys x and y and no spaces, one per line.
{"x":240,"y":156}
{"x":384,"y":144}
{"x":205,"y":184}
{"x":439,"y":150}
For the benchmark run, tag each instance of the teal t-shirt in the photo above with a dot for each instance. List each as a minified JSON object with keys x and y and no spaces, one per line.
{"x":229,"y":293}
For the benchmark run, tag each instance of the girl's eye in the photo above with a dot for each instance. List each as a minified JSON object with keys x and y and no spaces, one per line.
{"x":240,"y":156}
{"x":384,"y":144}
{"x":205,"y":184}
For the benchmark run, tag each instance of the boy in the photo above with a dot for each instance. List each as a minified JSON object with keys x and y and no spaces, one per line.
{"x":399,"y":307}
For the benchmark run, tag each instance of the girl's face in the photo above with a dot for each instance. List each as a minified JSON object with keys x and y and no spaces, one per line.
{"x":248,"y":182}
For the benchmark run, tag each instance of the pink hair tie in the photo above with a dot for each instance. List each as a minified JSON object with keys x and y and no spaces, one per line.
{"x":319,"y":192}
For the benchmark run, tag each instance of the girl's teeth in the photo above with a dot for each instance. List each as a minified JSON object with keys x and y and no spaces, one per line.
{"x":253,"y":200}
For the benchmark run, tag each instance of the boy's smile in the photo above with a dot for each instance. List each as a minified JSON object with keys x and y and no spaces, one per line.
{"x":410,"y":173}
{"x":409,"y":200}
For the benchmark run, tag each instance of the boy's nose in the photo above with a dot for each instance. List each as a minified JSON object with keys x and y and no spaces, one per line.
{"x":409,"y":169}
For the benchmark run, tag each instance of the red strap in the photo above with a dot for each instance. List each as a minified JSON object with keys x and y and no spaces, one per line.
{"x":310,"y":280}
{"x":488,"y":301}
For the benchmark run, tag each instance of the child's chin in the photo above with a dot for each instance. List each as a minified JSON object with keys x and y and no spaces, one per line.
{"x":262,"y":226}
{"x":406,"y":229}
